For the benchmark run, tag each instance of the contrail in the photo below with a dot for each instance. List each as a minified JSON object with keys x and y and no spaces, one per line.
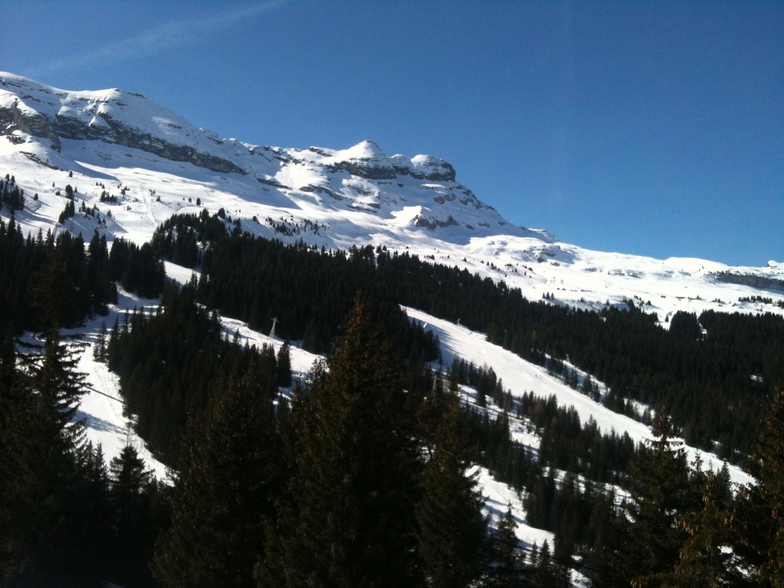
{"x":155,"y":40}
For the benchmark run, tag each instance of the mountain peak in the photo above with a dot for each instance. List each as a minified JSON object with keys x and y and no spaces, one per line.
{"x":366,"y":149}
{"x":365,"y":159}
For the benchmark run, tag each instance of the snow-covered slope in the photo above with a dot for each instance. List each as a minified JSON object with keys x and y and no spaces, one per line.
{"x":69,"y":129}
{"x":157,"y":164}
{"x":520,"y":376}
{"x":135,"y":163}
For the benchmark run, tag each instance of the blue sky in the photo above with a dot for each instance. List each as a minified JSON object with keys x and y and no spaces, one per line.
{"x":652,"y":128}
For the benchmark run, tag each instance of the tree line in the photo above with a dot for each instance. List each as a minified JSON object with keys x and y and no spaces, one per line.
{"x":86,"y":286}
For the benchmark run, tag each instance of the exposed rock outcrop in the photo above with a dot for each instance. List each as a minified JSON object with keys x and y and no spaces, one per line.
{"x":40,"y":111}
{"x":27,"y":121}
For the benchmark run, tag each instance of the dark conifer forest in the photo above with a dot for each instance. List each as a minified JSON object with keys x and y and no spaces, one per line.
{"x":359,"y":474}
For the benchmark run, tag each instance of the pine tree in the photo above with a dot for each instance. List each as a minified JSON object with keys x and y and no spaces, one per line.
{"x":99,"y":351}
{"x":223,"y":493}
{"x":112,"y":351}
{"x":771,"y":474}
{"x":53,"y":374}
{"x":101,"y":290}
{"x":47,"y":530}
{"x":21,"y":548}
{"x":58,"y":385}
{"x":660,"y":491}
{"x":92,"y":496}
{"x":606,"y":527}
{"x":758,"y":522}
{"x":132,"y":490}
{"x":543,"y":568}
{"x":284,"y":365}
{"x":452,"y":530}
{"x":705,"y":559}
{"x":348,"y":517}
{"x":507,"y":572}
{"x":565,"y":520}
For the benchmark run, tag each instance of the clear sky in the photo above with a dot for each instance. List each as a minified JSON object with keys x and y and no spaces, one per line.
{"x":653,"y":128}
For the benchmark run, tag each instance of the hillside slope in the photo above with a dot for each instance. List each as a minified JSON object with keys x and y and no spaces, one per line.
{"x":134,"y":163}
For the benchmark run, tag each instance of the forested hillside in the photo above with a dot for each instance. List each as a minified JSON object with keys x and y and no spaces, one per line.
{"x":356,"y":475}
{"x":714,"y":373}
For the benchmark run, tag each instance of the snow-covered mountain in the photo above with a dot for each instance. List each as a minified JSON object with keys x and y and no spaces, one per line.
{"x":132,"y":164}
{"x":149,"y":163}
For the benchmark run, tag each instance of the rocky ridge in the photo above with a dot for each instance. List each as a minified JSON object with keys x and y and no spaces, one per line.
{"x":362,"y":176}
{"x":132,"y":164}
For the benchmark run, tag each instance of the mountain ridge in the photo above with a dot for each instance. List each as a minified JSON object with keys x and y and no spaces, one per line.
{"x":151,"y":163}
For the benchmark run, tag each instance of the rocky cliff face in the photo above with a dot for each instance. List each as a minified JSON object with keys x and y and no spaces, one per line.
{"x":420,"y":192}
{"x":13,"y":118}
{"x":51,"y":114}
{"x":131,"y":120}
{"x":366,"y":160}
